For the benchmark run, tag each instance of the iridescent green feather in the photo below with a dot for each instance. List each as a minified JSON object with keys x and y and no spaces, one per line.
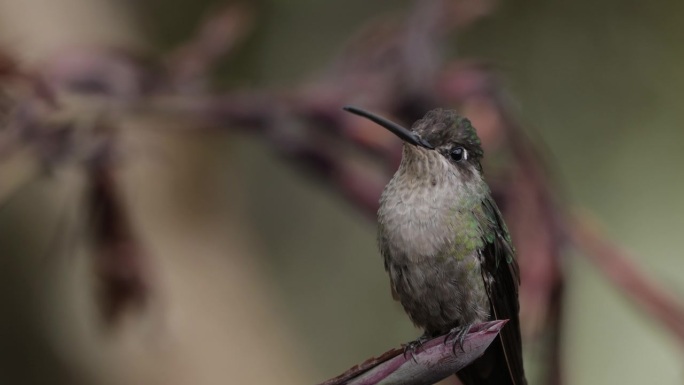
{"x":496,"y":231}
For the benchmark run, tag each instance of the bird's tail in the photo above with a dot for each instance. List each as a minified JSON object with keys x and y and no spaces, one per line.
{"x":493,"y":368}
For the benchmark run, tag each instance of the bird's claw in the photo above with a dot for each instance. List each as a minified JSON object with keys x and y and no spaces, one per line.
{"x":458,"y":335}
{"x":413,"y":346}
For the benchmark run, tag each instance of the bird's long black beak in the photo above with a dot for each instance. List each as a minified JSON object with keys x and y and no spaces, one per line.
{"x":405,"y":134}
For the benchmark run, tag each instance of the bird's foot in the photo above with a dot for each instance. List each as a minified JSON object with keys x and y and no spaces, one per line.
{"x":458,"y":336}
{"x":413,"y":346}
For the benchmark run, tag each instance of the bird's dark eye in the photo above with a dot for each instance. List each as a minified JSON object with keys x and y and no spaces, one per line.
{"x":458,"y":153}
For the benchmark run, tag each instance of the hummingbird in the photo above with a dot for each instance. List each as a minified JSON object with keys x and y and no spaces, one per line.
{"x":445,"y":246}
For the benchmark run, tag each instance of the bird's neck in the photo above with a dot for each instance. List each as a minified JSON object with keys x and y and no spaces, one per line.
{"x":420,"y":213}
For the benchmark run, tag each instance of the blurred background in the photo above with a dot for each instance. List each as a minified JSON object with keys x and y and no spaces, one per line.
{"x":184,"y":203}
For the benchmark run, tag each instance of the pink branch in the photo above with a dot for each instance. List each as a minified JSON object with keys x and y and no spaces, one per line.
{"x":432,"y":362}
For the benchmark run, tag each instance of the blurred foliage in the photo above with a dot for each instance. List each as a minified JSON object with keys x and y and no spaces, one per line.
{"x":600,"y":83}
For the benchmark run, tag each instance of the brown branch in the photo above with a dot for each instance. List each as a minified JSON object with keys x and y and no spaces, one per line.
{"x":189,"y":65}
{"x":120,"y":261}
{"x":616,"y":264}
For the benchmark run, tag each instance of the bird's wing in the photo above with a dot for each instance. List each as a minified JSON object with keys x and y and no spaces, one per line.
{"x":502,"y":278}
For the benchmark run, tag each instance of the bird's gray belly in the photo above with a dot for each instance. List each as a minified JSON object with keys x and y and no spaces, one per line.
{"x":440,"y":294}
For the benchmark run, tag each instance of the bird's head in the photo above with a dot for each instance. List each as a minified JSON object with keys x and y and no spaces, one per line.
{"x":440,"y":142}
